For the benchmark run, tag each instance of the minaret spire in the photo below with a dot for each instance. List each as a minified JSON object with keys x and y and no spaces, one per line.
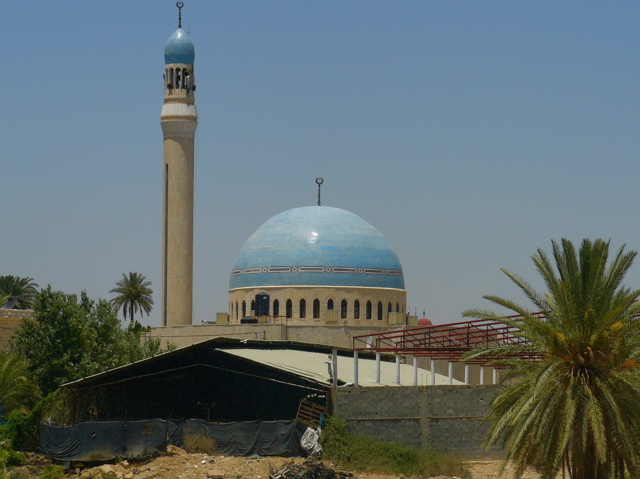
{"x":319,"y":181}
{"x":179,"y":5}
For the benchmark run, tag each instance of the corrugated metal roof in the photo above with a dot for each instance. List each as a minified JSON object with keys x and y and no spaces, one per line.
{"x":315,"y":366}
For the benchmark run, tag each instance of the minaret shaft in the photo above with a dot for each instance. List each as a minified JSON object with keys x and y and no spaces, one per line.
{"x":177,"y":231}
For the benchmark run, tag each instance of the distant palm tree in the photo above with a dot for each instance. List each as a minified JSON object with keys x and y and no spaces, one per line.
{"x":576,"y":408}
{"x":17,"y":389}
{"x":19,"y":291}
{"x":134,"y":295}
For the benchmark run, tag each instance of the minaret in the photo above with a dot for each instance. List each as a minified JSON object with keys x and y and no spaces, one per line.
{"x":179,"y":119}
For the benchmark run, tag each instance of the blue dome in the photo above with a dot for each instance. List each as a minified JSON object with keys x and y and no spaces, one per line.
{"x":179,"y":48}
{"x":317,"y":246}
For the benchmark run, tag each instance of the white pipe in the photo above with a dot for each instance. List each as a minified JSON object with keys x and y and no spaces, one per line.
{"x":415,"y":371}
{"x":355,"y":368}
{"x":397,"y":369}
{"x":481,"y":374}
{"x":433,"y":372}
{"x":495,"y":376}
{"x":334,"y":354}
{"x":377,"y":367}
{"x":450,"y":372}
{"x":466,"y":374}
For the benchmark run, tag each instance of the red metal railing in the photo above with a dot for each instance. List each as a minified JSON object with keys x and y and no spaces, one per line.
{"x":446,"y":341}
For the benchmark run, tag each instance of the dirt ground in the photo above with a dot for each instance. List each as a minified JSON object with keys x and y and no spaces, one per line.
{"x":181,"y":465}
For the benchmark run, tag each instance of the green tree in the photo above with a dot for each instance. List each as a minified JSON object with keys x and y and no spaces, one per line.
{"x":17,"y":390}
{"x":133,"y":295}
{"x":70,"y":338}
{"x":577,"y":408}
{"x":20,"y":290}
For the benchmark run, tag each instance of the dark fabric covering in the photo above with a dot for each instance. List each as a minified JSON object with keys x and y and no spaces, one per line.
{"x":103,"y":441}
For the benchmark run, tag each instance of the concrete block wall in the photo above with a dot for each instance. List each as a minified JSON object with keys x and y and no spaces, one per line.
{"x":446,"y":418}
{"x":454,"y":419}
{"x":382,"y":413}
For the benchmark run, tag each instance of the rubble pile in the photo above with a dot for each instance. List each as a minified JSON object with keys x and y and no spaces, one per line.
{"x":309,"y":470}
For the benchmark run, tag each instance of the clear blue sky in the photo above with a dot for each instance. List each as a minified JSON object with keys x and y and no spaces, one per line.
{"x":468,"y":133}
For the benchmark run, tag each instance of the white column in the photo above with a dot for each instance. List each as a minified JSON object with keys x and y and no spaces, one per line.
{"x":334,"y":360}
{"x":481,"y":374}
{"x":450,"y":372}
{"x":433,"y":372}
{"x":415,"y":371}
{"x":495,"y":376}
{"x":377,"y":367}
{"x":397,"y":369}
{"x":355,"y":368}
{"x":466,"y":373}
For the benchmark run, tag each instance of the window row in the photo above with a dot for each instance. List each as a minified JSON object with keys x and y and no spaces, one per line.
{"x":239,"y":310}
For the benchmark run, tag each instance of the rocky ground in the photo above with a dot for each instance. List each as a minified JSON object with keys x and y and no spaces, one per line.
{"x":181,"y":465}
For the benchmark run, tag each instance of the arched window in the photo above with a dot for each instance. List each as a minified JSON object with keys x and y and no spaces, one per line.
{"x":343,"y":309}
{"x":369,"y":310}
{"x":236,"y":310}
{"x":390,"y":308}
{"x":303,"y":309}
{"x":379,"y":310}
{"x":356,"y":309}
{"x":397,"y":308}
{"x":316,"y":309}
{"x":244,"y":309}
{"x":289,"y":308}
{"x":330,"y":304}
{"x":276,"y":307}
{"x":253,"y":306}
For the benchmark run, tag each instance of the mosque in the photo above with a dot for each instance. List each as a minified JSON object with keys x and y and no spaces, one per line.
{"x":310,"y":265}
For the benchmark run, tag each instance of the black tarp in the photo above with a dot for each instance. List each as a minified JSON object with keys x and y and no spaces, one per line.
{"x":106,"y":440}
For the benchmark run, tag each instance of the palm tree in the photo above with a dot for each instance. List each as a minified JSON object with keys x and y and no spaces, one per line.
{"x":19,"y":291}
{"x":134,"y":295}
{"x":577,"y":408}
{"x":17,"y":390}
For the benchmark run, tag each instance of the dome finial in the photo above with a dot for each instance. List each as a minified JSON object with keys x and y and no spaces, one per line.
{"x":179,"y":5}
{"x":319,"y":181}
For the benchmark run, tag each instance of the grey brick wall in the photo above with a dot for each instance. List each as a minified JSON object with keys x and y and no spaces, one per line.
{"x":446,"y":418}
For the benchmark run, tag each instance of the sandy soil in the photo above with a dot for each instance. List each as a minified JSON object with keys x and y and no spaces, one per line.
{"x":181,"y":465}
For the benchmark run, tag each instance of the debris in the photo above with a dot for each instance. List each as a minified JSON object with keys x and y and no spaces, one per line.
{"x":310,"y":442}
{"x":175,"y":450}
{"x":309,"y":470}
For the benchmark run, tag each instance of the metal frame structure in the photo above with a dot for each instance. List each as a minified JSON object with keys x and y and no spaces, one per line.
{"x":447,"y":342}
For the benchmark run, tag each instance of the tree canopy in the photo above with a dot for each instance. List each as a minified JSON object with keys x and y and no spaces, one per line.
{"x":577,"y":408}
{"x":18,"y":292}
{"x":133,"y":295}
{"x":17,"y":390}
{"x":69,"y":338}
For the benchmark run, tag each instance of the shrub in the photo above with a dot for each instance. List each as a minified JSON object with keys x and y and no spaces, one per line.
{"x":52,"y":472}
{"x":18,"y":430}
{"x":365,"y":454}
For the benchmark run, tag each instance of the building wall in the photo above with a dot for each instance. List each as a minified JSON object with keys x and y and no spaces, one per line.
{"x":445,"y":418}
{"x":396,"y":297}
{"x":10,"y":320}
{"x":314,"y":333}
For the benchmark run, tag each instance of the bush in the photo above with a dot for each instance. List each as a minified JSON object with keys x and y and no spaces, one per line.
{"x":19,"y":430}
{"x":365,"y":454}
{"x":52,"y":472}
